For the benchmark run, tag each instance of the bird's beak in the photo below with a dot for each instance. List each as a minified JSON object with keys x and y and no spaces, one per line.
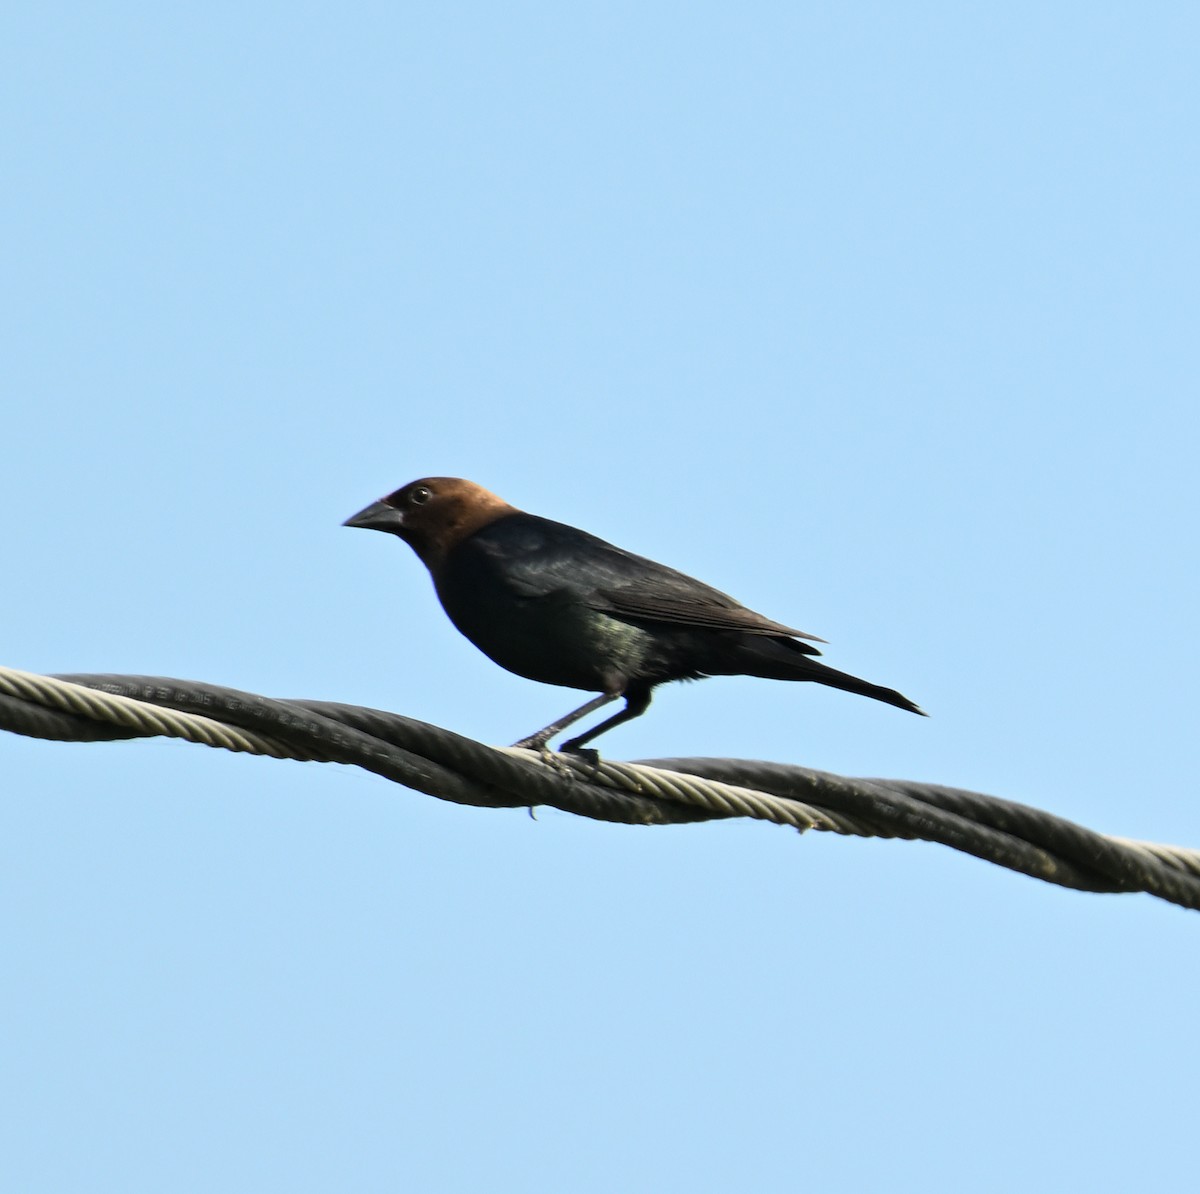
{"x":378,"y":516}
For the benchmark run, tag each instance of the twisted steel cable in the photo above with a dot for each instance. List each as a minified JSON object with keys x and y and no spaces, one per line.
{"x":438,"y":762}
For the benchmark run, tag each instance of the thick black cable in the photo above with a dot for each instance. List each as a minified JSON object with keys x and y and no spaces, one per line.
{"x":988,"y":827}
{"x":380,"y":742}
{"x":444,"y":764}
{"x":36,"y":721}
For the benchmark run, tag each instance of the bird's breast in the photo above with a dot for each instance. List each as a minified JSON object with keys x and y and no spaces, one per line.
{"x":554,"y":638}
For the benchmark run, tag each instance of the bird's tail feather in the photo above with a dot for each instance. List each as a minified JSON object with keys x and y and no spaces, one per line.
{"x":772,"y":660}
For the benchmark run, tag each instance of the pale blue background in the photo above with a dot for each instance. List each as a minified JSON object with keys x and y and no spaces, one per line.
{"x":881,"y":316}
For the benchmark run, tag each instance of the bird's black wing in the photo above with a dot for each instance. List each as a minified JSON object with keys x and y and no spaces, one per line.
{"x":540,"y":558}
{"x":697,"y":605}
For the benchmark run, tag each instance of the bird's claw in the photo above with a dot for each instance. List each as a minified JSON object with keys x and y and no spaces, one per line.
{"x":534,"y":742}
{"x":551,"y":758}
{"x":555,"y":759}
{"x":588,"y":754}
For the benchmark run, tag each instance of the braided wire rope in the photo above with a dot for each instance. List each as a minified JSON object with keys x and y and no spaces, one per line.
{"x":438,"y":762}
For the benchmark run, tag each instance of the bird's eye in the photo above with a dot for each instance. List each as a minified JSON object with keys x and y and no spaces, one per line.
{"x":420,"y":495}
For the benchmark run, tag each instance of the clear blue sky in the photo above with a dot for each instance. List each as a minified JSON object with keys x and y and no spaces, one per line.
{"x":881,"y":317}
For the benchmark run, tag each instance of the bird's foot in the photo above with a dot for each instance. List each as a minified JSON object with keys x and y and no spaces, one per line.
{"x":554,"y":758}
{"x":535,"y":742}
{"x":588,"y":754}
{"x":551,"y":758}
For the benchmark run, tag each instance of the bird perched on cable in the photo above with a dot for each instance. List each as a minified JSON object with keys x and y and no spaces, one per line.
{"x":555,"y":604}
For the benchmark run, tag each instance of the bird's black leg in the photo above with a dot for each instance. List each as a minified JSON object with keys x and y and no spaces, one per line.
{"x":636,"y":703}
{"x":538,"y":741}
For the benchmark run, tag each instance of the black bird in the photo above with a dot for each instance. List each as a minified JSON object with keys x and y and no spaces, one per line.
{"x":555,"y":604}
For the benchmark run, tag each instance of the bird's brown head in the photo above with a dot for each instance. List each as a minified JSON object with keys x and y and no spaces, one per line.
{"x":433,"y":515}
